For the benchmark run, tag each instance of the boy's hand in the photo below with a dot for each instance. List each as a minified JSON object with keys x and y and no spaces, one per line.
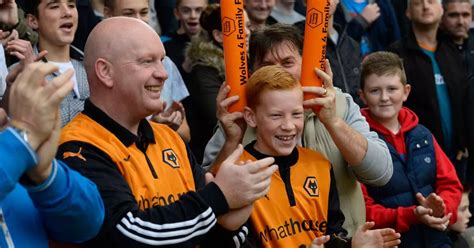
{"x":326,"y":99}
{"x":364,"y":237}
{"x":173,"y":116}
{"x":23,"y":50}
{"x":233,"y":123}
{"x":424,"y":216}
{"x":433,"y":202}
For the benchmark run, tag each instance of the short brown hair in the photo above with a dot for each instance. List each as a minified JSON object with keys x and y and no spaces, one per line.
{"x":110,"y":4}
{"x":446,"y":2}
{"x":466,"y":188}
{"x":211,"y":18}
{"x":31,"y":7}
{"x":272,"y":77}
{"x":178,"y":3}
{"x":263,"y":41}
{"x":380,"y":64}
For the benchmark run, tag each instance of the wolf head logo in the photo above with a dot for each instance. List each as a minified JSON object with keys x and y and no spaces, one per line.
{"x":311,"y":186}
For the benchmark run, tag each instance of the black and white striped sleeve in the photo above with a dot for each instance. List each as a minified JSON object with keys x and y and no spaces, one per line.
{"x":184,"y":223}
{"x":220,"y":237}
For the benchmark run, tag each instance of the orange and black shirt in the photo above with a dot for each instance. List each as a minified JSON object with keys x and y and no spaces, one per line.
{"x":153,"y":189}
{"x":302,"y":203}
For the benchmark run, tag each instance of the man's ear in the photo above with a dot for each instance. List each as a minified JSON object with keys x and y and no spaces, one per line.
{"x":362,"y":96}
{"x":32,"y":21}
{"x":104,"y":72}
{"x":249,"y":116}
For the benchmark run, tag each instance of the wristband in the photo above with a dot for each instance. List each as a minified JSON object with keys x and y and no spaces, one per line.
{"x":21,"y":132}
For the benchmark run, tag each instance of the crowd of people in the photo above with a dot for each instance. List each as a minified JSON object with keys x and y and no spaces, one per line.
{"x":115,"y":128}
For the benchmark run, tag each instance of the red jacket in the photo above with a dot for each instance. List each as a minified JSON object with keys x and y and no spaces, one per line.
{"x":447,"y":185}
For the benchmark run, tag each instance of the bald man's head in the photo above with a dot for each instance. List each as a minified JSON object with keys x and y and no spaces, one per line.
{"x":114,"y":37}
{"x":124,"y":65}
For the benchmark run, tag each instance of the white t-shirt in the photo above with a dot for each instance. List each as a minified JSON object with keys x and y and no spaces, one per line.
{"x":174,"y":88}
{"x":334,"y":35}
{"x":63,"y":66}
{"x":3,"y":72}
{"x":282,"y":17}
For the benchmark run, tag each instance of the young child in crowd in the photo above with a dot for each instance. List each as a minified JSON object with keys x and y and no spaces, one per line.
{"x":302,"y":205}
{"x":422,"y":196}
{"x":460,"y":234}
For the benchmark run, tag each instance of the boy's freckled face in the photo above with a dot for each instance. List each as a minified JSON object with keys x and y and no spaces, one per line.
{"x":384,"y":96}
{"x":279,"y":119}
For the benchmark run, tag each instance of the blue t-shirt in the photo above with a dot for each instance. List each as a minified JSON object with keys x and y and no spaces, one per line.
{"x":444,"y":103}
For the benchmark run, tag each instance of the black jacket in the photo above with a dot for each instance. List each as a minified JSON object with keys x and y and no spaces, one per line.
{"x":422,"y":99}
{"x":381,"y":33}
{"x":207,"y":76}
{"x":345,"y":62}
{"x":469,"y":113}
{"x":176,"y":49}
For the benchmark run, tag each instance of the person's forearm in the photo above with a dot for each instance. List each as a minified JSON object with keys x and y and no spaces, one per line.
{"x":12,"y":167}
{"x":70,"y":205}
{"x":376,"y":168}
{"x":234,"y":219}
{"x":351,"y":144}
{"x":400,"y":218}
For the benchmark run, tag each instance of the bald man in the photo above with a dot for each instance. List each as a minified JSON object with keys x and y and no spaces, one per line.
{"x":175,"y":89}
{"x":154,"y":192}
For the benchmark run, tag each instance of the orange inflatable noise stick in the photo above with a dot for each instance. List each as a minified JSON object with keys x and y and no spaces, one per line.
{"x":235,"y":50}
{"x":315,"y":40}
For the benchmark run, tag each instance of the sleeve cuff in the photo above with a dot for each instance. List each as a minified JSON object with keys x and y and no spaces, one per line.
{"x":213,"y":195}
{"x":25,"y":158}
{"x":408,"y":215}
{"x":21,"y":147}
{"x":52,"y":188}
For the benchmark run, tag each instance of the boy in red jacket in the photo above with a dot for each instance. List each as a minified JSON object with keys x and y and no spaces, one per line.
{"x":422,"y":196}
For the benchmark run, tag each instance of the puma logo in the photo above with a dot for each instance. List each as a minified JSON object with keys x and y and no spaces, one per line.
{"x":74,"y":154}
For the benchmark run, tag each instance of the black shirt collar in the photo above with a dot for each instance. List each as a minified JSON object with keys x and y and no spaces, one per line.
{"x":281,"y":161}
{"x":145,"y":131}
